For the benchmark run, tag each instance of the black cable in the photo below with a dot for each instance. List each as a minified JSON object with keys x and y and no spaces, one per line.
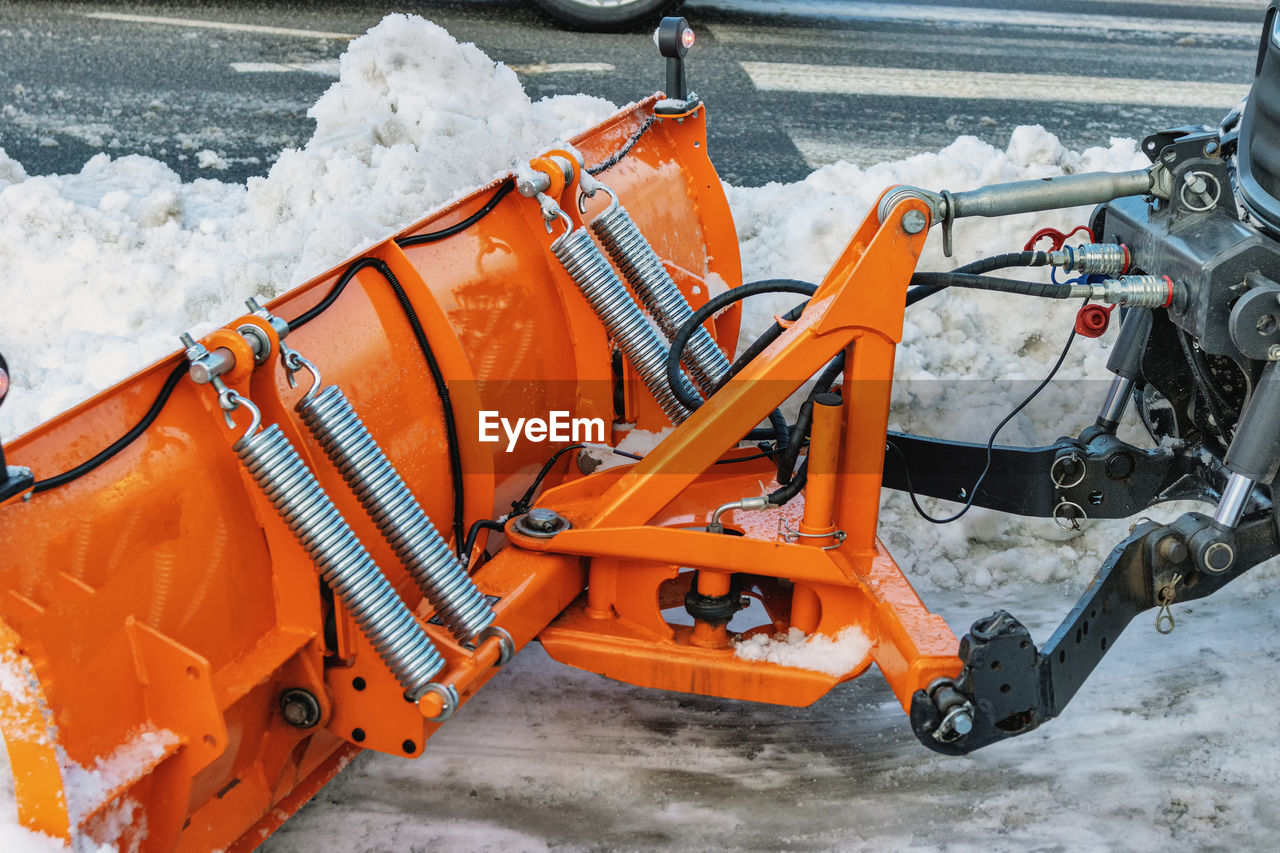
{"x":422,"y":239}
{"x":712,"y":307}
{"x":979,"y":267}
{"x":624,"y":150}
{"x":939,"y":280}
{"x":916,"y":294}
{"x":437,"y":376}
{"x":521,"y":506}
{"x":480,"y":524}
{"x":968,"y":504}
{"x":309,"y":315}
{"x":166,"y":390}
{"x":334,"y":292}
{"x":1199,"y":374}
{"x":777,"y":429}
{"x":789,"y":477}
{"x":446,"y":403}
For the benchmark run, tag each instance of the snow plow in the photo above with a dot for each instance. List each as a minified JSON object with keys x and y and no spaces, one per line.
{"x":326,"y":525}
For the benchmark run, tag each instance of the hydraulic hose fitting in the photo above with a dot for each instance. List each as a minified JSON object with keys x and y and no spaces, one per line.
{"x":756,"y":503}
{"x":1092,"y":258}
{"x":1135,"y":291}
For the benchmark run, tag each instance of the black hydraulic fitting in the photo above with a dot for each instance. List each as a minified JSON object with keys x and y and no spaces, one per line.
{"x":716,"y":609}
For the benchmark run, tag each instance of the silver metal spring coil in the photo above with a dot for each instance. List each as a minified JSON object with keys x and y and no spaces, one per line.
{"x":644,"y":271}
{"x":342,"y":561}
{"x":459,"y":604}
{"x":1092,"y":258}
{"x":639,"y":341}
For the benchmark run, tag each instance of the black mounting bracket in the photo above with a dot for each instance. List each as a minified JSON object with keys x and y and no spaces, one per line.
{"x":1096,"y":475}
{"x":1011,"y":687}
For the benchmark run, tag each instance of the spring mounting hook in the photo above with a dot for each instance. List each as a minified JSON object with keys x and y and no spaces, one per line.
{"x":459,"y":604}
{"x":341,"y":560}
{"x":640,"y":265}
{"x":626,"y":324}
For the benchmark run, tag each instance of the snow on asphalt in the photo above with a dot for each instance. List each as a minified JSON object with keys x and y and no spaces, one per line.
{"x":1168,"y":746}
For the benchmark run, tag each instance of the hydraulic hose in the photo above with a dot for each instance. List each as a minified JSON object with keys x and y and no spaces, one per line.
{"x":778,"y":429}
{"x":980,"y":267}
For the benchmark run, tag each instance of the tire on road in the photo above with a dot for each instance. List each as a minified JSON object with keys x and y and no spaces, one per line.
{"x":606,"y":15}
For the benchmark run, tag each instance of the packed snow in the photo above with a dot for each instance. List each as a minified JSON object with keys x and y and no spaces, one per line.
{"x":1166,"y":747}
{"x":838,"y":655}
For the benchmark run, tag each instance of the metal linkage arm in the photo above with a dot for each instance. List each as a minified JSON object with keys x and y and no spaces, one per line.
{"x":1007,"y":687}
{"x":1097,"y":475}
{"x":1023,"y":196}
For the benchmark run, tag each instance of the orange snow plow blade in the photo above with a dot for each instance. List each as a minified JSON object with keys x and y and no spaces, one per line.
{"x":196,"y":631}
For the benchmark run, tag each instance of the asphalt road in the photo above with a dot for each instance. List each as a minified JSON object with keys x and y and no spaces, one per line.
{"x":790,"y":85}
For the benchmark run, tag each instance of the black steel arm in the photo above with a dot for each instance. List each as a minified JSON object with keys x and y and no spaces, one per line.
{"x":1096,"y":476}
{"x":1007,"y":687}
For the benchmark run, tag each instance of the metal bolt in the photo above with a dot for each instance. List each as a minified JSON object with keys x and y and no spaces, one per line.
{"x":913,"y":222}
{"x":1210,"y":149}
{"x":957,"y":723}
{"x":299,"y":708}
{"x":541,"y":523}
{"x":541,"y":518}
{"x":1119,"y":466}
{"x":259,"y":343}
{"x":1196,"y":183}
{"x":1172,"y":549}
{"x":1273,"y":352}
{"x":1219,"y":556}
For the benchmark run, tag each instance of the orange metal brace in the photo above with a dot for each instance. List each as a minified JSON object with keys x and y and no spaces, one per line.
{"x":628,"y":528}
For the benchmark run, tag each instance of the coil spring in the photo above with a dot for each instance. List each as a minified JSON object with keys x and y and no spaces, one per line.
{"x":341,"y":560}
{"x":1097,"y":258}
{"x":458,"y":603}
{"x":644,"y":271}
{"x":639,"y":341}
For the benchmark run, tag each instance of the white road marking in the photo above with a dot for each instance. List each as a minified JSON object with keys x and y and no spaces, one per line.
{"x":989,"y":85}
{"x":218,"y":25}
{"x":819,"y":152}
{"x":1072,"y":26}
{"x":562,"y":67}
{"x":950,"y":43}
{"x":327,"y":67}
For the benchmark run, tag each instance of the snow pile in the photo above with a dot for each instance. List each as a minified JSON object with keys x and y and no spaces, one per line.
{"x":838,"y":655}
{"x":123,"y":256}
{"x":966,"y":358}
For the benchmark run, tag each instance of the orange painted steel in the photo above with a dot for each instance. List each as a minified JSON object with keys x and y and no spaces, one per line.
{"x":156,"y":610}
{"x":635,"y":528}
